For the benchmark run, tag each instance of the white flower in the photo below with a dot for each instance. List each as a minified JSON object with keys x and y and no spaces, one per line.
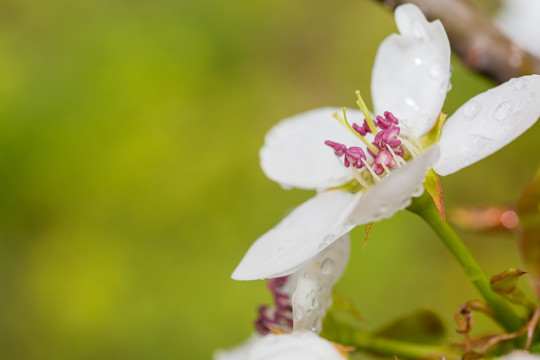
{"x":519,"y":20}
{"x":309,"y":291}
{"x":299,"y":345}
{"x":410,"y":79}
{"x":520,"y":355}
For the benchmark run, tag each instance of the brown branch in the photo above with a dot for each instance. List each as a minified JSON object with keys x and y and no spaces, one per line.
{"x":475,"y":38}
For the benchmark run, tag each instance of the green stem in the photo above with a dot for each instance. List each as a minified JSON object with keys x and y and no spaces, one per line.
{"x":387,"y":347}
{"x":425,"y":208}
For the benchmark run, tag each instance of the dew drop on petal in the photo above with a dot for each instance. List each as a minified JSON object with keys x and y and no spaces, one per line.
{"x":314,"y":302}
{"x":471,"y":147}
{"x":531,"y":96}
{"x":418,"y":61}
{"x":327,"y":266}
{"x":471,"y":109}
{"x":503,"y":110}
{"x":327,"y":240}
{"x":412,"y":104}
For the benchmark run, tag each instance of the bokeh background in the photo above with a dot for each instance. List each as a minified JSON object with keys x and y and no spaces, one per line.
{"x":130,"y":184}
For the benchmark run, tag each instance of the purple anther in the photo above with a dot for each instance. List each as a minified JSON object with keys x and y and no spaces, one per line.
{"x":383,"y":157}
{"x":283,"y":302}
{"x":354,"y":155}
{"x":275,"y":284}
{"x":382,"y":122}
{"x":371,"y":152}
{"x":359,"y":129}
{"x":280,"y":316}
{"x":388,"y":137}
{"x":362,"y":130}
{"x":390,"y":117}
{"x":339,"y":149}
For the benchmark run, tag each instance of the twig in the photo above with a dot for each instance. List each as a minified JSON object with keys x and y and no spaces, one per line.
{"x":528,"y":328}
{"x":476,"y":39}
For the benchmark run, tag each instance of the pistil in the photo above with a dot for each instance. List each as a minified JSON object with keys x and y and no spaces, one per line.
{"x":343,"y":121}
{"x":362,"y":105}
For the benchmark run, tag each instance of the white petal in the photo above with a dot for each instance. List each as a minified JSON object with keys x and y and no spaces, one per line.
{"x":488,"y":122}
{"x":299,"y":345}
{"x":294,"y":153}
{"x":305,"y":232}
{"x":241,"y":352}
{"x":411,"y":75}
{"x":520,"y":355}
{"x":394,"y":192}
{"x":519,"y":20}
{"x":313,"y":295}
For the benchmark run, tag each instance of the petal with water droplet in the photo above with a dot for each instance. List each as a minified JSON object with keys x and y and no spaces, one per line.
{"x":313,"y":295}
{"x":411,"y":75}
{"x":305,"y":232}
{"x":504,"y":113}
{"x":294,"y":153}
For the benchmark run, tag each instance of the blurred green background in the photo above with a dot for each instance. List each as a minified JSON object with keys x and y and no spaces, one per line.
{"x":129,"y":137}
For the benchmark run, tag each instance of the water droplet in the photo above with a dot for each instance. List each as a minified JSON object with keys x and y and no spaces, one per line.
{"x":521,"y":84}
{"x":327,"y":240}
{"x":471,"y":109}
{"x":314,"y":302}
{"x":503,"y":110}
{"x":418,"y":61}
{"x":327,"y":266}
{"x":531,"y":96}
{"x":384,"y":208}
{"x":419,"y":191}
{"x":412,"y":104}
{"x":469,"y":149}
{"x":435,"y":70}
{"x":418,"y":30}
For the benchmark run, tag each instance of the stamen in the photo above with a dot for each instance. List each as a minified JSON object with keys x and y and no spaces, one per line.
{"x":358,"y":176}
{"x":386,"y":168}
{"x":343,"y":121}
{"x":390,"y":117}
{"x":409,"y":132}
{"x":399,"y":161}
{"x":362,"y":105}
{"x":370,"y":169}
{"x":412,"y":149}
{"x":339,"y":149}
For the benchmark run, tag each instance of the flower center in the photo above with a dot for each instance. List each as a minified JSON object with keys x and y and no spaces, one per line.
{"x":389,"y":149}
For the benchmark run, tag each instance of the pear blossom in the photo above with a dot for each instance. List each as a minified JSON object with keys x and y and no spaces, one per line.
{"x":366,"y":168}
{"x":299,"y":345}
{"x":301,"y":301}
{"x":518,"y":19}
{"x":520,"y":355}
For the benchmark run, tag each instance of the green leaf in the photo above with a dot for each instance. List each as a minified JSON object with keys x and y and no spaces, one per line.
{"x":434,"y":189}
{"x":505,"y":284}
{"x":528,"y":210}
{"x":422,"y":326}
